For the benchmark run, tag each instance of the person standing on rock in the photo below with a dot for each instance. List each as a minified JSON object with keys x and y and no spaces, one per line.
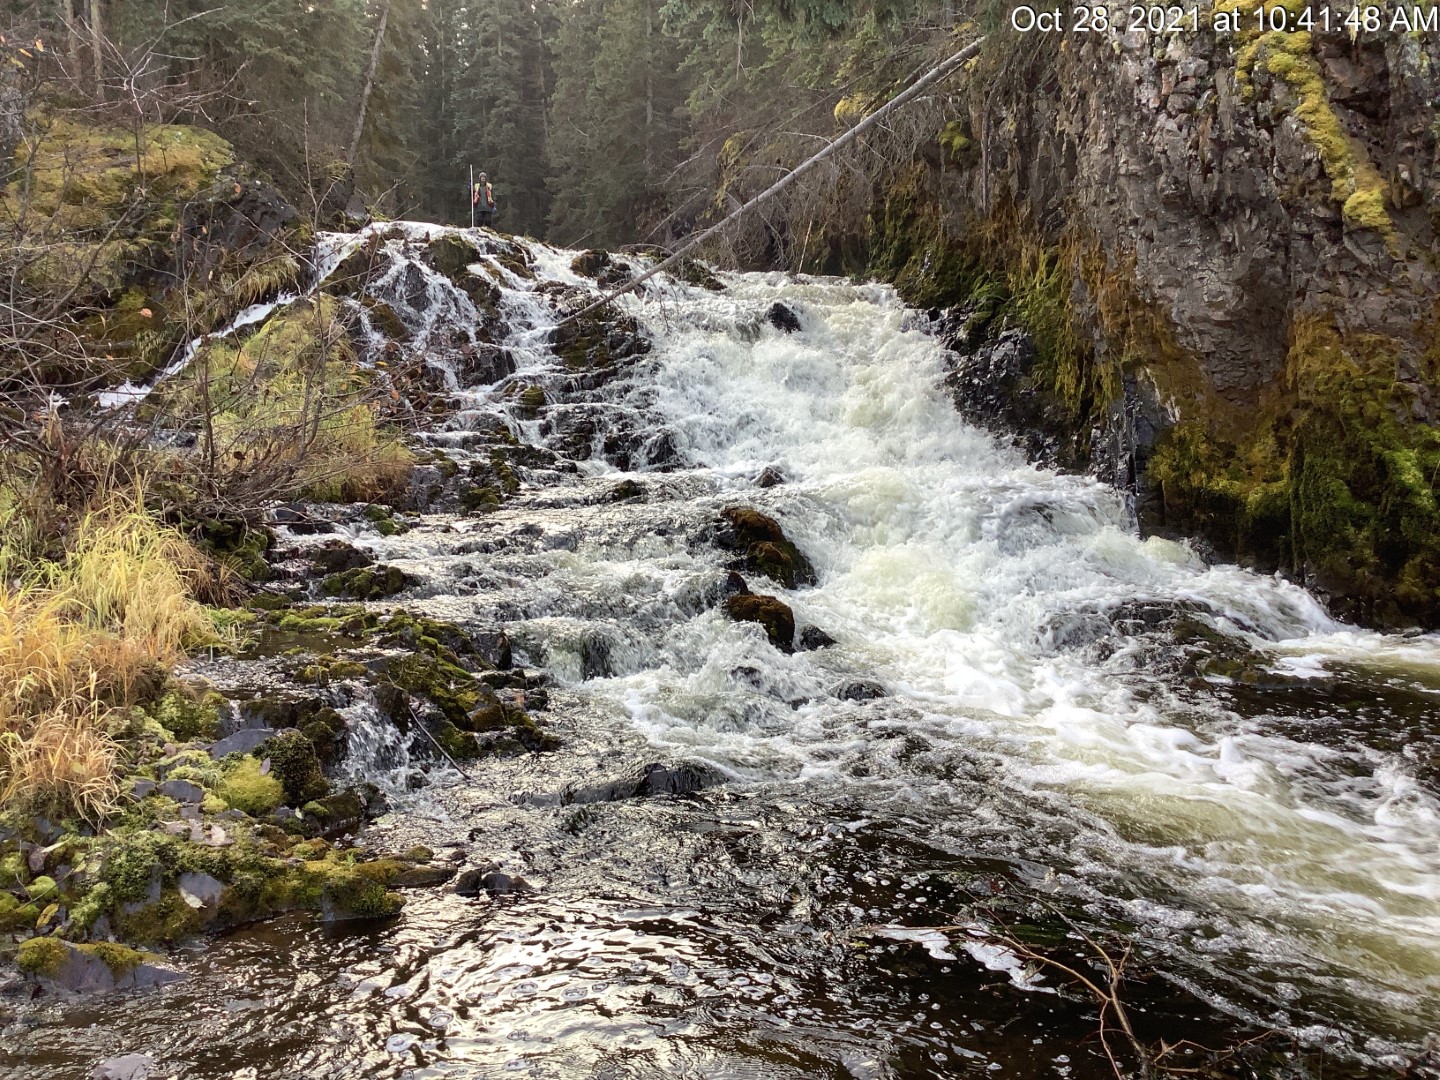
{"x":483,"y":200}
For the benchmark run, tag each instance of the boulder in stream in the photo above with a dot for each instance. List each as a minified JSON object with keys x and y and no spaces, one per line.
{"x":770,"y":612}
{"x":764,"y":548}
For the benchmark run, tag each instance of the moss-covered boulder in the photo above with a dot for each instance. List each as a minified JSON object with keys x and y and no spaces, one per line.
{"x":296,"y":765}
{"x":599,"y":343}
{"x":366,"y":583}
{"x":763,"y":547}
{"x":451,"y":255}
{"x":773,"y":614}
{"x":94,"y":968}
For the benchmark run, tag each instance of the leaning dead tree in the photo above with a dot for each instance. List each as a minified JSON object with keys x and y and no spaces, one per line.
{"x":942,"y":70}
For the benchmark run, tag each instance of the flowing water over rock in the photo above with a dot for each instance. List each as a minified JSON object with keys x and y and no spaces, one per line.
{"x":747,"y":861}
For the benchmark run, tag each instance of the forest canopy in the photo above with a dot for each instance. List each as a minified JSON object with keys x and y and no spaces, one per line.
{"x":600,"y":122}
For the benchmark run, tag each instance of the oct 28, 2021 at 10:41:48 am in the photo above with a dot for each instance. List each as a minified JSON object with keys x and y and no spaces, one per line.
{"x":1225,"y":18}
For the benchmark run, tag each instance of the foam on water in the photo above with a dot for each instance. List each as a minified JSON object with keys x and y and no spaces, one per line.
{"x":943,"y":557}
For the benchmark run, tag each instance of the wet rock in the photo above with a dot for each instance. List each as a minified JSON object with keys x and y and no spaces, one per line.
{"x":763,"y":546}
{"x":680,"y":779}
{"x":694,"y":272}
{"x":450,"y":255}
{"x":182,"y":791}
{"x":468,"y":882}
{"x":498,"y":883}
{"x":201,"y":892}
{"x":860,"y":690}
{"x":812,"y":637}
{"x":783,"y":318}
{"x":335,"y":814}
{"x":770,"y":612}
{"x":599,"y":344}
{"x":91,"y":969}
{"x":336,"y":556}
{"x":732,"y":584}
{"x":367,"y":583}
{"x":483,"y":365}
{"x":297,"y":518}
{"x":770,"y":477}
{"x":489,"y":712}
{"x":244,"y":741}
{"x":127,"y":1067}
{"x":625,"y":491}
{"x":493,"y":646}
{"x":424,"y":876}
{"x":590,"y":263}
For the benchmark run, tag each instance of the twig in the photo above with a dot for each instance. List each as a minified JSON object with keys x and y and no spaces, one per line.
{"x":426,"y":732}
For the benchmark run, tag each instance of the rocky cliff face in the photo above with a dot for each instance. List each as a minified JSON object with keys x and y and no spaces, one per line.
{"x":1205,"y":264}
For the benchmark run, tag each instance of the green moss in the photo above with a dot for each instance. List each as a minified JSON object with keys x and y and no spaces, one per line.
{"x":295,"y":764}
{"x":453,"y":690}
{"x":92,"y":905}
{"x":479,"y":499}
{"x":532,"y":400}
{"x":14,"y":870}
{"x":120,"y":959}
{"x":366,"y":583}
{"x":42,"y":888}
{"x":245,"y":788}
{"x":460,"y":745}
{"x":1336,"y":485}
{"x":166,"y":920}
{"x":1355,"y":182}
{"x":43,"y":956}
{"x":385,"y":522}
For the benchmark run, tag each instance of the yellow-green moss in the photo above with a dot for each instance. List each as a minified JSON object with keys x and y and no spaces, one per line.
{"x":1288,"y":55}
{"x":245,"y":788}
{"x":42,"y":956}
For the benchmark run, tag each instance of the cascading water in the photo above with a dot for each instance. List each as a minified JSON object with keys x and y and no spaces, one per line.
{"x":1022,"y":695}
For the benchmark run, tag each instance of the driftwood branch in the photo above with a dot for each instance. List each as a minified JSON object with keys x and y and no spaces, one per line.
{"x":934,"y":75}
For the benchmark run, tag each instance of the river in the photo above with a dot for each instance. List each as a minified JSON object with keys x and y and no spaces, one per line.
{"x":1033,"y":726}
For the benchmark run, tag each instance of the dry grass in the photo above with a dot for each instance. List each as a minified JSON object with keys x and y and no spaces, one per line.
{"x":81,"y":637}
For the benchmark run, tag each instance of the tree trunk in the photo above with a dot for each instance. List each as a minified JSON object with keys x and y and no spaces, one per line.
{"x":72,"y":37}
{"x":97,"y":48}
{"x":649,"y":91}
{"x":369,"y":84}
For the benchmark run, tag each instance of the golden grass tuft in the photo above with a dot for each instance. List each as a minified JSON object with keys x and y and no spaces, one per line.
{"x":82,"y":636}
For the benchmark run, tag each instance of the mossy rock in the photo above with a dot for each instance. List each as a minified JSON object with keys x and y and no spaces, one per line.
{"x":384,"y":320}
{"x":247,"y":789}
{"x":235,"y":544}
{"x":384,"y":520}
{"x":764,"y":547}
{"x":451,"y":255}
{"x":187,"y":716}
{"x":773,"y":614}
{"x":366,"y":583}
{"x":14,"y":870}
{"x":357,"y":270}
{"x":590,"y":263}
{"x":694,"y":272}
{"x":450,"y":688}
{"x":480,"y":499}
{"x":16,"y":914}
{"x":340,"y":812}
{"x":599,"y":342}
{"x":294,"y":762}
{"x":532,"y":400}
